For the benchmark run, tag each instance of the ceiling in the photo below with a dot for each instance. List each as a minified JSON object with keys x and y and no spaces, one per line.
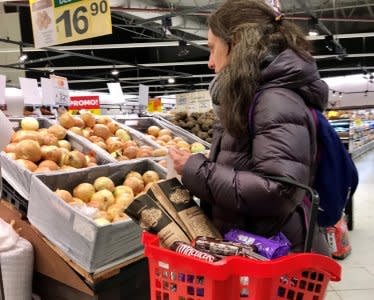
{"x":147,"y":48}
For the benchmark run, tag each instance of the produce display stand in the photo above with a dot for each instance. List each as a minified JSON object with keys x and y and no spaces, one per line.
{"x":56,"y":277}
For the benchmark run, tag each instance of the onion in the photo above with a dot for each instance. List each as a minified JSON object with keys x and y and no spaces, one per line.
{"x":43,"y":131}
{"x":78,"y":122}
{"x":121,"y":189}
{"x":113,"y":127}
{"x":121,"y":218}
{"x":159,"y":152}
{"x":66,"y":120}
{"x":88,"y":119}
{"x":49,"y":139}
{"x":129,"y":143}
{"x":84,"y":191}
{"x":10,"y":148}
{"x":130,"y":152}
{"x":150,"y":176}
{"x":95,"y":139}
{"x":153,"y":130}
{"x":104,"y":183}
{"x":102,"y":145}
{"x":64,"y":195}
{"x":22,"y":135}
{"x":101,"y":222}
{"x":64,"y":144}
{"x":29,"y":123}
{"x":123,"y":135}
{"x":76,"y":130}
{"x":178,"y":139}
{"x":135,"y":184}
{"x":143,"y":153}
{"x":51,"y":153}
{"x":50,"y":164}
{"x":104,"y":120}
{"x":114,"y":146}
{"x":42,"y":170}
{"x":28,"y":149}
{"x":86,"y":132}
{"x":165,"y":132}
{"x":134,"y":174}
{"x":124,"y":200}
{"x":29,"y":165}
{"x":102,"y":131}
{"x":104,"y":198}
{"x":58,"y":131}
{"x":102,"y":214}
{"x":115,"y":210}
{"x":165,"y":138}
{"x":183,"y":145}
{"x":76,"y":159}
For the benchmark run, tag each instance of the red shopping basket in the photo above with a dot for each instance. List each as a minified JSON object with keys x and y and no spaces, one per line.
{"x":294,"y":277}
{"x":302,"y":276}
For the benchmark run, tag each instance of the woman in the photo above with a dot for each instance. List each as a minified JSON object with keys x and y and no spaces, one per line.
{"x":258,"y":55}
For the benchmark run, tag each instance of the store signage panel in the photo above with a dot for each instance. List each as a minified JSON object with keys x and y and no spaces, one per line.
{"x":57,"y":22}
{"x":89,"y":103}
{"x":2,"y":89}
{"x":31,"y":94}
{"x":61,"y":86}
{"x":48,"y":91}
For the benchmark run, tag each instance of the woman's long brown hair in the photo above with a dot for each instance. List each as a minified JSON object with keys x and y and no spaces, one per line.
{"x":250,"y":29}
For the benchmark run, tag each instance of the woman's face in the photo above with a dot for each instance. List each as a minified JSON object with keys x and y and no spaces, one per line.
{"x":219,"y":53}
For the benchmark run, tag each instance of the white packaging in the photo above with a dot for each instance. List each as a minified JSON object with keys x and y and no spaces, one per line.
{"x":16,"y":260}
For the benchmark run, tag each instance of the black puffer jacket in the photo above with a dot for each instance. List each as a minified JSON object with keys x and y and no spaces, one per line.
{"x":283,"y":144}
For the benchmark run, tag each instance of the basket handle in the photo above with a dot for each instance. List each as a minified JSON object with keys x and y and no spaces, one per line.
{"x":314,"y":207}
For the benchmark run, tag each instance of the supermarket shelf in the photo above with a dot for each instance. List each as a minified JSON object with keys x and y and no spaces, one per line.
{"x":362,"y":150}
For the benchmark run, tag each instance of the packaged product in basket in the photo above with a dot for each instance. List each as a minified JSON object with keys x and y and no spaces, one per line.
{"x":188,"y":250}
{"x":172,"y":191}
{"x":276,"y":246}
{"x":222,"y":248}
{"x":145,"y":212}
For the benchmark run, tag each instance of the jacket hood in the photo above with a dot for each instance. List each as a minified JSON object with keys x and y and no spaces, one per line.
{"x":288,"y":70}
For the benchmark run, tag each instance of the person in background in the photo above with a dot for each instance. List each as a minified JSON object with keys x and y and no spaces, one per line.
{"x":256,"y":54}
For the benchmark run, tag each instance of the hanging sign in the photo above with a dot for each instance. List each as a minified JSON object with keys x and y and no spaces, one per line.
{"x":57,"y":22}
{"x":2,"y":89}
{"x":89,"y":103}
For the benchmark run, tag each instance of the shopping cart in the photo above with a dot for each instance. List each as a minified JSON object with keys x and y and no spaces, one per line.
{"x":303,"y":276}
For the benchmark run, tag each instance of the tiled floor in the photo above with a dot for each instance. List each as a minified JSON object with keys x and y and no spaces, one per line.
{"x":358,"y":269}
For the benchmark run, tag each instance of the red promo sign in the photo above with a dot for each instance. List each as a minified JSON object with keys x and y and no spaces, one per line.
{"x":84,"y":102}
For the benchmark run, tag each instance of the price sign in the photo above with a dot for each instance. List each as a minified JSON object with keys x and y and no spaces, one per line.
{"x":2,"y":89}
{"x":57,"y":22}
{"x":61,"y":88}
{"x":89,"y":103}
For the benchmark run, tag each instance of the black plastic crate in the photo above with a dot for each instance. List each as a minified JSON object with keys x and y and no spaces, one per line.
{"x":11,"y":195}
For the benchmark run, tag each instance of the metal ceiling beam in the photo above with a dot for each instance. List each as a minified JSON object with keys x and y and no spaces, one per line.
{"x":102,"y":59}
{"x":187,"y":63}
{"x":103,"y":46}
{"x":39,"y":60}
{"x":289,"y":13}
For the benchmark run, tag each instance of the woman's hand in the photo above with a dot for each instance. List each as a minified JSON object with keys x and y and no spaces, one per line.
{"x":179,"y":158}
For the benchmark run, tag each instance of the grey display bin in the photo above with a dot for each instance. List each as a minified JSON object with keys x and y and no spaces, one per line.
{"x":20,"y":178}
{"x":142,"y":124}
{"x":94,"y":248}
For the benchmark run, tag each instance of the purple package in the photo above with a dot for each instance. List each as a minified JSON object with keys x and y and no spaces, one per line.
{"x":276,"y":246}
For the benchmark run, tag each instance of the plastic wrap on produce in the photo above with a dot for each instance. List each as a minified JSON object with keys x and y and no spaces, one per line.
{"x":20,"y":178}
{"x":92,"y":247}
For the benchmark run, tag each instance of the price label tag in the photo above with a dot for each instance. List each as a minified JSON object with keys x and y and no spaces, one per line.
{"x":57,"y":22}
{"x":31,"y":94}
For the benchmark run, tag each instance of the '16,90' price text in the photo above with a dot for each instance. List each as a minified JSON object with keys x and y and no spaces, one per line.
{"x":76,"y":19}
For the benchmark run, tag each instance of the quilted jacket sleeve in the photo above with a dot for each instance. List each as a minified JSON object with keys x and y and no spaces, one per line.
{"x":282,"y":146}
